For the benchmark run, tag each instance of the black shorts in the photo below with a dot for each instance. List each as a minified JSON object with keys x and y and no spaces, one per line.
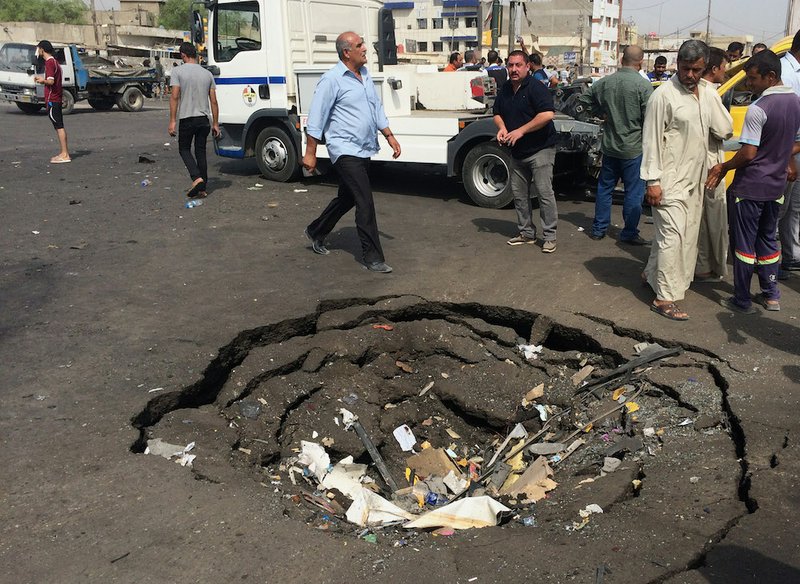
{"x":55,"y":115}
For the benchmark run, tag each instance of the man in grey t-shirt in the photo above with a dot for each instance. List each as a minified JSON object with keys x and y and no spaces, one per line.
{"x":193,"y":100}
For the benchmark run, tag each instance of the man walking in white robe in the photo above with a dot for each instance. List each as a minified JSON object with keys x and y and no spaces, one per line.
{"x":676,"y":130}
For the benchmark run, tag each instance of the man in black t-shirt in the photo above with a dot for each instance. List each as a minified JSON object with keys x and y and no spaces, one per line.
{"x":523,"y":113}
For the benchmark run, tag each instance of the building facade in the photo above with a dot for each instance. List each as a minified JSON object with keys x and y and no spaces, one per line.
{"x":605,"y":36}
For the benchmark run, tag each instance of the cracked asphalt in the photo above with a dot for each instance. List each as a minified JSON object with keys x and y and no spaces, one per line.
{"x":112,"y":294}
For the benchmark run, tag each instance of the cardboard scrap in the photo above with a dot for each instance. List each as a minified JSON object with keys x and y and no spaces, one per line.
{"x":404,"y":366}
{"x":432,"y":462}
{"x":533,"y":394}
{"x":585,"y":372}
{"x":452,"y":433}
{"x":534,"y":483}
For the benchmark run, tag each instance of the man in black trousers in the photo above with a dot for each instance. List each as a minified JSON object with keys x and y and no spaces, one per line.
{"x":347,"y":111}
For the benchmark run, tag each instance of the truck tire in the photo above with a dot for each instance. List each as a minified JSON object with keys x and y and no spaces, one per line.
{"x":67,"y":102}
{"x":101,"y":104}
{"x":276,"y":155}
{"x":131,"y":100}
{"x":30,"y":108}
{"x":486,"y":175}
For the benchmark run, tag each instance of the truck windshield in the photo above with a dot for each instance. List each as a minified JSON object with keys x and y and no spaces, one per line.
{"x":236,"y":29}
{"x":17,"y":57}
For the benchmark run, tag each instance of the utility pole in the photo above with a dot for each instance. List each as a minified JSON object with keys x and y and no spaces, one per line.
{"x":708,"y":23}
{"x":94,"y":25}
{"x":511,"y":39}
{"x":497,"y":10}
{"x":580,"y":55}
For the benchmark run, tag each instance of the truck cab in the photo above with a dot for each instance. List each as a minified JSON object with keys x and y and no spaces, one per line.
{"x":268,"y":55}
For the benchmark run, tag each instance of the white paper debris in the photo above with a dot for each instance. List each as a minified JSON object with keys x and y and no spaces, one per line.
{"x":454,"y":483}
{"x":589,"y":510}
{"x":462,"y":514}
{"x":166,"y":450}
{"x":345,"y":477}
{"x":542,"y":412}
{"x":531,"y":351}
{"x":426,"y":389}
{"x":405,"y":437}
{"x":348,"y":418}
{"x":315,"y":458}
{"x":369,"y":508}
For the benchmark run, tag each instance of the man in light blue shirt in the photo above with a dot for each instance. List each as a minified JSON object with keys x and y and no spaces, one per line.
{"x":789,"y":215}
{"x":347,"y":112}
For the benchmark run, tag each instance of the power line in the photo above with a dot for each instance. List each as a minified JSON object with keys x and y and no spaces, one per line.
{"x":645,"y":7}
{"x":746,"y":31}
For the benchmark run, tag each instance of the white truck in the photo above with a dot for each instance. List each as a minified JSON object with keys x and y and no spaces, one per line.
{"x":267,"y":56}
{"x":99,"y":81}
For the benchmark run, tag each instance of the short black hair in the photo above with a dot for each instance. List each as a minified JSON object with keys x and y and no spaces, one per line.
{"x":46,"y":46}
{"x":535,"y":58}
{"x":454,"y":56}
{"x":796,"y":42}
{"x":736,"y":46}
{"x":660,"y":60}
{"x":469,"y":54}
{"x":764,"y":63}
{"x":518,"y":53}
{"x":492,"y":56}
{"x":188,"y":50}
{"x":716,"y":57}
{"x":157,"y":58}
{"x":759,"y":46}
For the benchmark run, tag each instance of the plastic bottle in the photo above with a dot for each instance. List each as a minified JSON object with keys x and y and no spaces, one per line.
{"x":146,"y":182}
{"x":193,"y":204}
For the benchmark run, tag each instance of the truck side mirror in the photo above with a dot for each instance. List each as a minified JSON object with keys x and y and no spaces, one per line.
{"x":198,"y":35}
{"x":387,"y":45}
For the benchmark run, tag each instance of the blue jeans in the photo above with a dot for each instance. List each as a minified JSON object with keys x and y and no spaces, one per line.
{"x":613,"y":169}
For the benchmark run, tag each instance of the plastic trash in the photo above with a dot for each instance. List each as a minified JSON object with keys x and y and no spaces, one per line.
{"x":193,"y":204}
{"x":146,"y":183}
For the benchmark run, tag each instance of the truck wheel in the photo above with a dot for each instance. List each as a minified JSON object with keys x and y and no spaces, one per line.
{"x":30,"y":108}
{"x":487,"y":176}
{"x":101,"y":104}
{"x":67,"y":102}
{"x":131,"y":100}
{"x":276,"y":155}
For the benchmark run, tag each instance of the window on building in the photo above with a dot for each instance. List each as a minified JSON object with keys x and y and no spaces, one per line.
{"x":422,"y":23}
{"x":454,"y":46}
{"x":471,"y":44}
{"x":422,"y":46}
{"x":608,"y":21}
{"x":452,"y":22}
{"x":438,"y":23}
{"x":438,"y":47}
{"x":411,"y":46}
{"x":471,"y":22}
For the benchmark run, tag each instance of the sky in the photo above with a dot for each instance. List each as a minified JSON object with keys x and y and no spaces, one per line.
{"x":764,"y":19}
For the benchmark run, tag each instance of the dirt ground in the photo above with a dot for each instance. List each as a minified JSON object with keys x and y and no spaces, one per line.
{"x":125,"y":315}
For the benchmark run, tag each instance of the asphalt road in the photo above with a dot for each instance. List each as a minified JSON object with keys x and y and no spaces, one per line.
{"x":109,"y":289}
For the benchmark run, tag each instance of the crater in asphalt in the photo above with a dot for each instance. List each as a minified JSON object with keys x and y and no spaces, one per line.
{"x":454,"y":373}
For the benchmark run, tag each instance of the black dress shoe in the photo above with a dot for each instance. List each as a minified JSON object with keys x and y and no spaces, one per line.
{"x":316,"y":244}
{"x":381,"y":267}
{"x":597,"y":236}
{"x":635,"y":241}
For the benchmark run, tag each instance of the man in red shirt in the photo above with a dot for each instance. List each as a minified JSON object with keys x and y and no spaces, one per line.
{"x":52,"y":95}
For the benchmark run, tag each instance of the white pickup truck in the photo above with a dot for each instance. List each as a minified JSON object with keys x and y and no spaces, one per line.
{"x":267,"y":56}
{"x":99,"y":81}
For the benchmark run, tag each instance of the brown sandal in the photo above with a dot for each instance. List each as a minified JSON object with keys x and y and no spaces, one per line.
{"x":670,"y":311}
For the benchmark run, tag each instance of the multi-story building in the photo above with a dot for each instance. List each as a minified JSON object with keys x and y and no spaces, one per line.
{"x":435,"y":28}
{"x":575,"y":32}
{"x":605,"y":36}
